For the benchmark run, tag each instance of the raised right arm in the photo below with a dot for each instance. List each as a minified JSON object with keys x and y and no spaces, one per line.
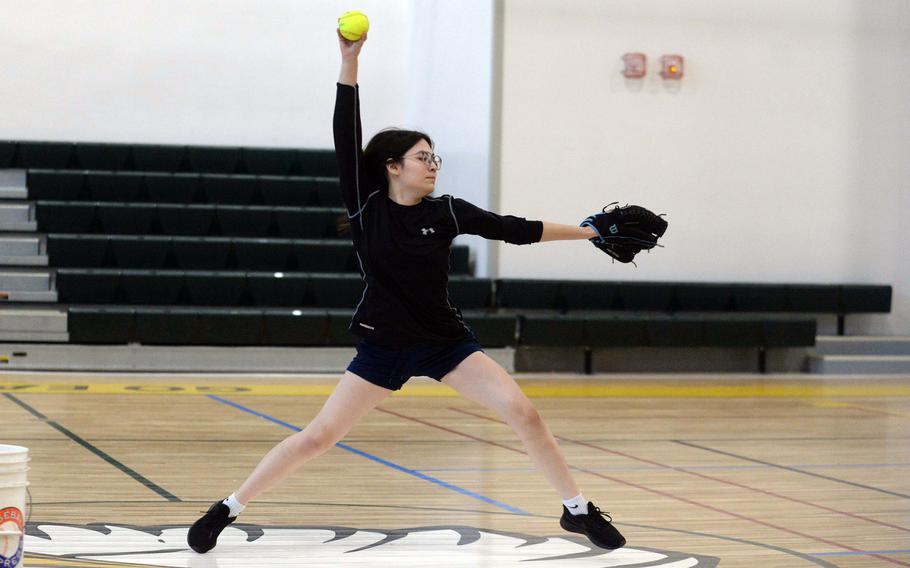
{"x":355,"y":188}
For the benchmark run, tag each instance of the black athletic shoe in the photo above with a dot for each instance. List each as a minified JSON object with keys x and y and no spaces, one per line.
{"x":203,"y":535}
{"x":594,"y":526}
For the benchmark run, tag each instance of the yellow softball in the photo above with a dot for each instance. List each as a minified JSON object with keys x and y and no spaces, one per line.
{"x":353,"y":24}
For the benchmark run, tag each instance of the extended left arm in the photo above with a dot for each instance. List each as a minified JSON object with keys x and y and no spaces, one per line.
{"x":560,"y":232}
{"x":472,"y":220}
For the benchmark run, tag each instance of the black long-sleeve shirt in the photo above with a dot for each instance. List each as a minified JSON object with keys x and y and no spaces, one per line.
{"x":403,"y":251}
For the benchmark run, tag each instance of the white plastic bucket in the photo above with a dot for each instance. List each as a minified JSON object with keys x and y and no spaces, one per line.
{"x":13,"y":484}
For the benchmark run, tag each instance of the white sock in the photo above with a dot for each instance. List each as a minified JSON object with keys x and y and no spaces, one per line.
{"x":577,"y":505}
{"x":234,"y":505}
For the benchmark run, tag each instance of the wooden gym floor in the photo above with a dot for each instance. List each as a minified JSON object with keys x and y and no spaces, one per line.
{"x":746,"y":472}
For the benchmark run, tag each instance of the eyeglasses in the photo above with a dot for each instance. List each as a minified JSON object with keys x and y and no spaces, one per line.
{"x":428,"y":159}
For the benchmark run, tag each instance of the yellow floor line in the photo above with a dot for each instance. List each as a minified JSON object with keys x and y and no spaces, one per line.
{"x":617,"y":389}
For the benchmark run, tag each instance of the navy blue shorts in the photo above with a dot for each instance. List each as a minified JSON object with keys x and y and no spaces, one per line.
{"x":391,"y":368}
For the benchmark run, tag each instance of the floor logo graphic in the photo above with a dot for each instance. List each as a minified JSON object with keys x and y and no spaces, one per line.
{"x":252,"y":545}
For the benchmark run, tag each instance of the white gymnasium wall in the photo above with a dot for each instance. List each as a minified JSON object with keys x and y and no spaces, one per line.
{"x":237,"y":72}
{"x":781,"y":156}
{"x":222,"y":72}
{"x":450,"y":97}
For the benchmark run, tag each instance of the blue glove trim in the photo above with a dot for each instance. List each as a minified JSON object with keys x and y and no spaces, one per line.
{"x":587,"y":223}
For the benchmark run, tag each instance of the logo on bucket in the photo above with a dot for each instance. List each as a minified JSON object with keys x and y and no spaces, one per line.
{"x":11,"y":537}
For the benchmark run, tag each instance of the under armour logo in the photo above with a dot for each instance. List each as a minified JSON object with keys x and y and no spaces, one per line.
{"x":427,"y":231}
{"x":614,"y":229}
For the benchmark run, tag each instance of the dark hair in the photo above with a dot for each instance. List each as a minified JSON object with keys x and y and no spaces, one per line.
{"x":387,"y":144}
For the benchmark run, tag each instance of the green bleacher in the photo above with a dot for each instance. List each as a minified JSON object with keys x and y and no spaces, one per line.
{"x":192,"y":245}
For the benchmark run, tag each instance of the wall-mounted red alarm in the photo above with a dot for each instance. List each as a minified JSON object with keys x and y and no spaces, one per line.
{"x":635,"y":65}
{"x":671,"y":66}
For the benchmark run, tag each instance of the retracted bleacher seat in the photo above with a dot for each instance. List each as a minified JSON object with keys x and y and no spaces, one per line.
{"x":288,"y":290}
{"x":865,"y":298}
{"x":158,"y":158}
{"x":214,"y":159}
{"x":459,"y":260}
{"x":325,"y":256}
{"x":813,"y":298}
{"x":123,"y":187}
{"x":553,"y":330}
{"x":216,"y":288}
{"x":66,"y":217}
{"x":211,"y":253}
{"x":634,"y":330}
{"x":338,"y":333}
{"x":629,"y":331}
{"x":336,"y":290}
{"x":469,"y":293}
{"x":644,"y":296}
{"x":186,"y":220}
{"x":278,"y":191}
{"x":659,"y":331}
{"x":245,"y":221}
{"x":268,"y":161}
{"x":674,"y":297}
{"x":316,"y":163}
{"x":7,"y":153}
{"x":581,"y":295}
{"x":167,"y":326}
{"x":313,"y":223}
{"x":233,"y":327}
{"x":265,"y":254}
{"x":56,"y":186}
{"x":529,"y":294}
{"x":126,"y":218}
{"x":109,"y":325}
{"x":329,"y":192}
{"x":78,"y":251}
{"x":152,"y":287}
{"x":492,"y":330}
{"x":698,"y":297}
{"x":758,"y":298}
{"x":92,"y":156}
{"x":295,"y":327}
{"x":174,"y":188}
{"x":88,"y":286}
{"x":784,"y":333}
{"x":198,"y":326}
{"x":229,"y":190}
{"x":736,"y":333}
{"x":140,"y":251}
{"x":44,"y":155}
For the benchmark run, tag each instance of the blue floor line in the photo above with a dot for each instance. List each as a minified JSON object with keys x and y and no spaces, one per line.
{"x":377,"y":459}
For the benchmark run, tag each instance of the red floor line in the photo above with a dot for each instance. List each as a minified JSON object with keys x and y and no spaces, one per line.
{"x":642,"y":487}
{"x":705,"y":476}
{"x":872,"y":410}
{"x":456,"y":432}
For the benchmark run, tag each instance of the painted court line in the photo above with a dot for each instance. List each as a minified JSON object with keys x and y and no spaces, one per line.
{"x":645,"y":488}
{"x":635,"y":389}
{"x":794,"y":469}
{"x":876,"y":410}
{"x":707,"y":477}
{"x":688,"y":467}
{"x":861,"y":552}
{"x":97,"y":451}
{"x":377,"y":459}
